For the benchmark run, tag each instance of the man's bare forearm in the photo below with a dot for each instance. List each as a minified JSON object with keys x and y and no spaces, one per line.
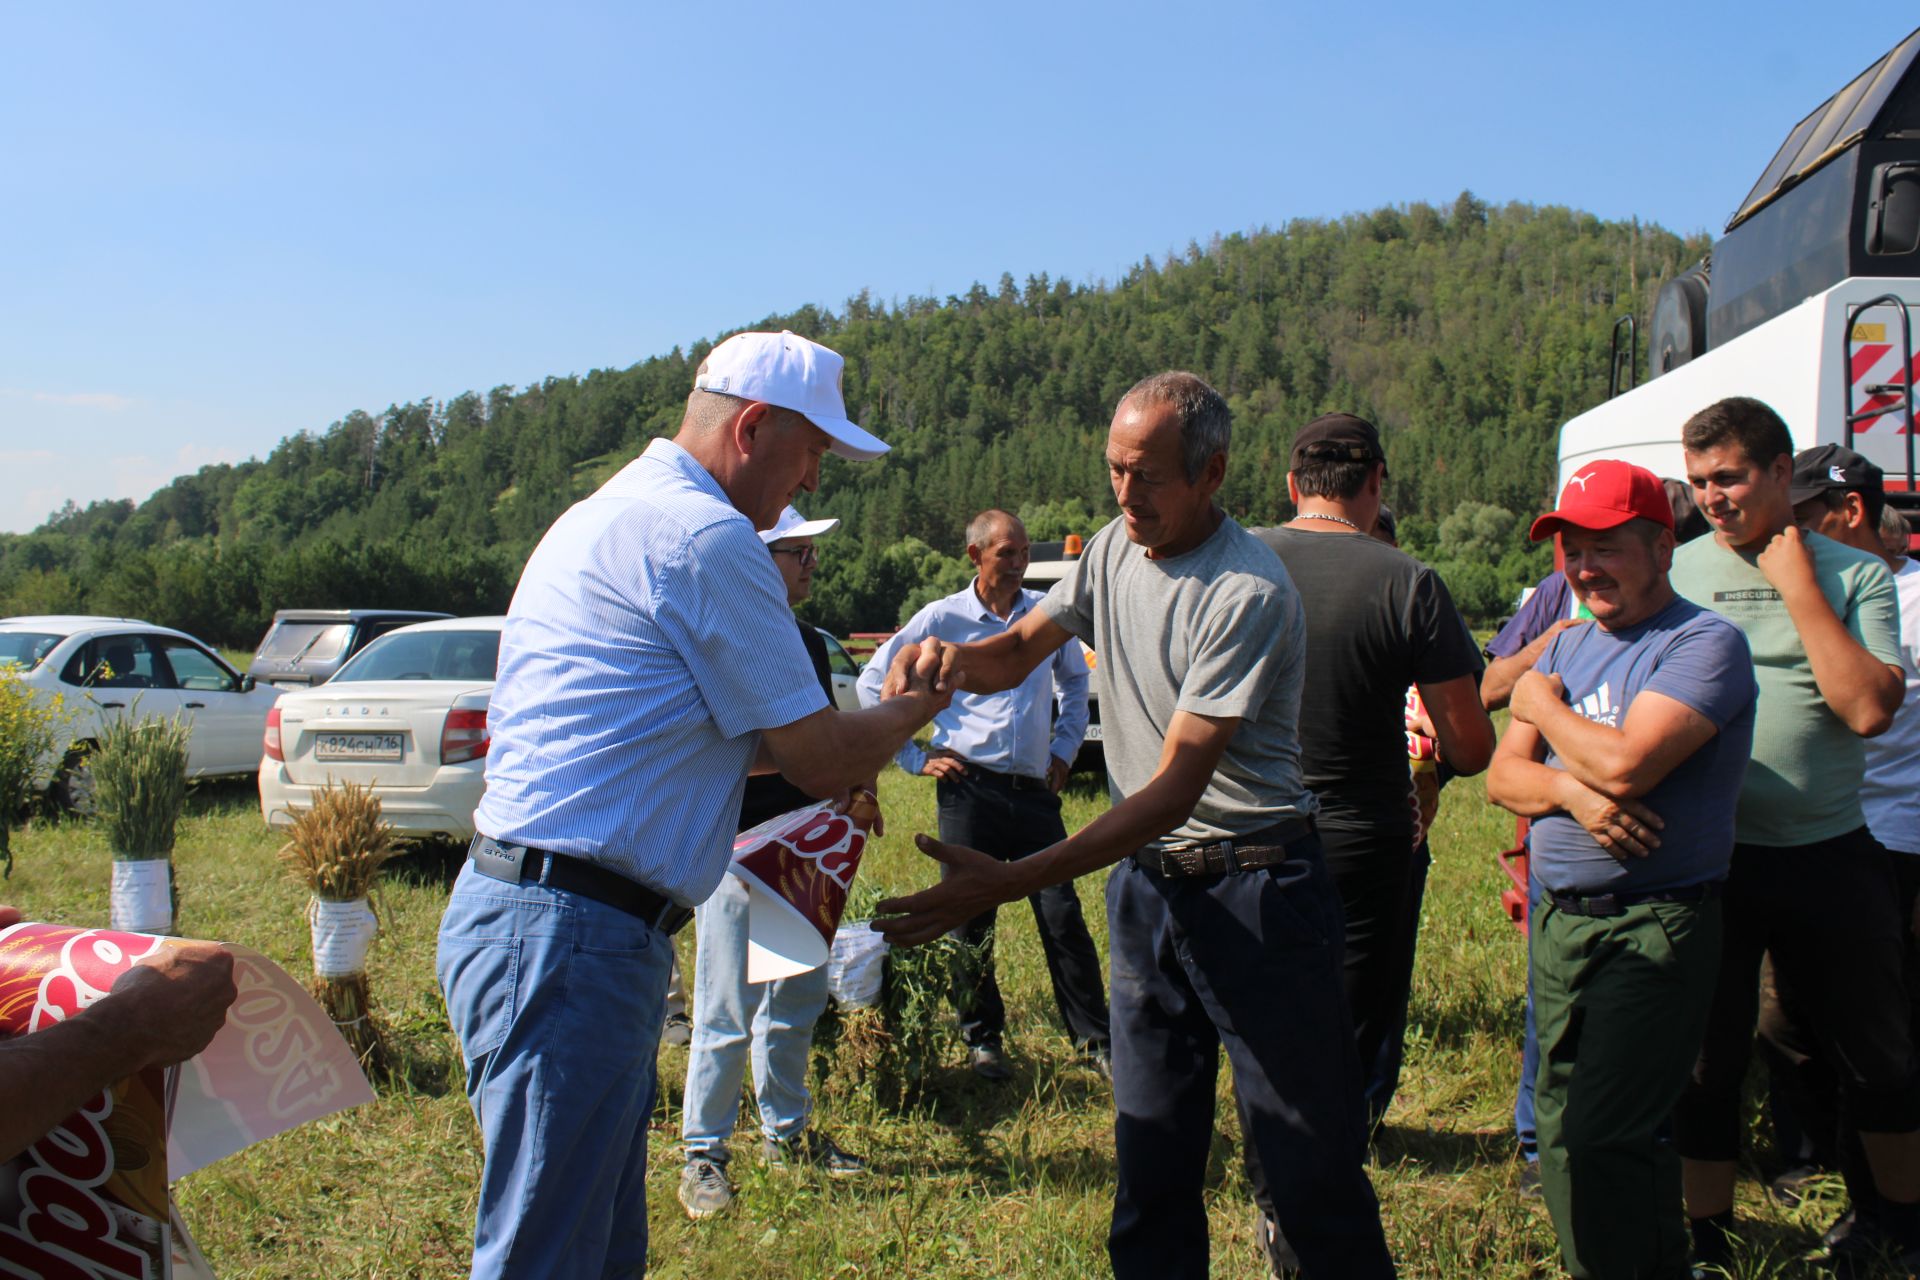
{"x":1142,"y":817}
{"x":1526,"y":788}
{"x":48,"y":1075}
{"x":1000,"y":662}
{"x":832,"y":750}
{"x":1860,"y":688}
{"x":1597,"y":755}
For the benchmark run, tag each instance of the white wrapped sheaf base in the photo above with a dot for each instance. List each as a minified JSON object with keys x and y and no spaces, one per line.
{"x":342,"y":931}
{"x":142,"y":895}
{"x":856,"y":965}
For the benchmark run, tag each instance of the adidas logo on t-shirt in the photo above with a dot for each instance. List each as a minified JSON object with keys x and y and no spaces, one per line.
{"x":1598,"y":706}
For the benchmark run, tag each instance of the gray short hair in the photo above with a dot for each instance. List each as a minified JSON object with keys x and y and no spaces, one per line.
{"x":981,"y":528}
{"x":1206,"y":424}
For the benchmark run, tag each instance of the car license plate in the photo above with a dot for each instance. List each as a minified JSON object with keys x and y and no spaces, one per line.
{"x":357,"y":746}
{"x":1093,"y":733}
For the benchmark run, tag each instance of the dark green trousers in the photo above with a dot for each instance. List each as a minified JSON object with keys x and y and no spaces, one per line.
{"x":1621,"y":1003}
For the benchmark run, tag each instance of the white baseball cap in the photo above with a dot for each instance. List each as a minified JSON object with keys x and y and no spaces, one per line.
{"x":794,"y":373}
{"x":794,"y":525}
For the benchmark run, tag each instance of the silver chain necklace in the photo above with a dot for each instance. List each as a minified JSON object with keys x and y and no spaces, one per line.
{"x":1315,"y":515}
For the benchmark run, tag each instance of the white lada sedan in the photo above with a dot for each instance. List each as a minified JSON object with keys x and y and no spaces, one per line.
{"x":407,"y":716}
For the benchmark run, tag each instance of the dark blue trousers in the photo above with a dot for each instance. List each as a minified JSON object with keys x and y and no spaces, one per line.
{"x":1250,"y":961}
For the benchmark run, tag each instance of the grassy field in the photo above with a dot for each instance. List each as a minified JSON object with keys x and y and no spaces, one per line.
{"x":981,"y":1180}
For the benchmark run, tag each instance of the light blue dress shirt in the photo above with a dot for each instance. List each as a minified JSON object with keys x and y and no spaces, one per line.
{"x":647,"y":644}
{"x":1010,"y":732}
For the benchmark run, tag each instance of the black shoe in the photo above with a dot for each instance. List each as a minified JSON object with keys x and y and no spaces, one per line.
{"x":989,"y":1063}
{"x":1862,"y":1248}
{"x":1844,"y":1226}
{"x":678,"y":1029}
{"x":1282,"y":1262}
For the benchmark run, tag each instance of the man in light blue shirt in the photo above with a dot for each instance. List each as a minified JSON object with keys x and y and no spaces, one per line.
{"x":648,"y":661}
{"x":999,"y":760}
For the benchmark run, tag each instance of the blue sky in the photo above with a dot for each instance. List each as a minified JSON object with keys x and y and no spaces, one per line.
{"x":220,"y":225}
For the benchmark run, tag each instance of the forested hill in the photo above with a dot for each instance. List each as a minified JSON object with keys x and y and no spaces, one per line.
{"x":1468,"y":333}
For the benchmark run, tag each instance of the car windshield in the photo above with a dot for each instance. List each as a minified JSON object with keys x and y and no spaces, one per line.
{"x":25,"y":648}
{"x":425,"y":655}
{"x":305,"y":642}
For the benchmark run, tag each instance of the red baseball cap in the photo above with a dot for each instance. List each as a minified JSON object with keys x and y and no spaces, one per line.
{"x":1605,"y":495}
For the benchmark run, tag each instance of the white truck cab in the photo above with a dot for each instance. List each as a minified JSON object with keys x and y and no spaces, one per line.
{"x":1806,"y":302}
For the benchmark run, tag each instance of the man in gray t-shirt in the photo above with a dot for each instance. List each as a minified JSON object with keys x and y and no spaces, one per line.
{"x":1178,"y":634}
{"x":1223,"y":926}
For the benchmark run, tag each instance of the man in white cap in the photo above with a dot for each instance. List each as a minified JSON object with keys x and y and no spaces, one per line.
{"x":732,"y":1015}
{"x":648,"y":661}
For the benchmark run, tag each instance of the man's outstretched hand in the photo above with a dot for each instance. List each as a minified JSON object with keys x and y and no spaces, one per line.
{"x":971,"y":883}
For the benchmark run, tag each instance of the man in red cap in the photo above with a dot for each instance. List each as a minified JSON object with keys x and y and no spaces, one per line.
{"x":1627,"y":748}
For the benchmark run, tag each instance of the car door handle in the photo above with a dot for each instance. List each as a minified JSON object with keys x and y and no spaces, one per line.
{"x":113,"y":704}
{"x":200,"y":705}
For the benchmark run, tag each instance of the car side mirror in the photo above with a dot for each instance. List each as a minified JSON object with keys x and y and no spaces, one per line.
{"x":248,"y":684}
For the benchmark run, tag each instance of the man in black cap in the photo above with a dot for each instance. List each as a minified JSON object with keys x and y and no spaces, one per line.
{"x":1841,"y":495}
{"x":1378,"y":621}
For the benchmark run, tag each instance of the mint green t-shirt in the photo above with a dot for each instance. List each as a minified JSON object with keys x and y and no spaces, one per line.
{"x":1803,"y":784}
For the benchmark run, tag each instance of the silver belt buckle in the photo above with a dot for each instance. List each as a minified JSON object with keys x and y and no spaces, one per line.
{"x":1190,"y":860}
{"x":492,"y":858}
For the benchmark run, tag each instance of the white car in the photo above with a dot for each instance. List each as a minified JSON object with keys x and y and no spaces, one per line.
{"x":844,"y":671}
{"x":110,"y":667}
{"x":407,"y":717}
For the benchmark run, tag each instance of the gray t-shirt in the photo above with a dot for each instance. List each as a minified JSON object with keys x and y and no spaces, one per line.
{"x":1218,"y":632}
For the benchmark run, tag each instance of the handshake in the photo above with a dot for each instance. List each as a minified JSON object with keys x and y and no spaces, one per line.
{"x":930,"y":669}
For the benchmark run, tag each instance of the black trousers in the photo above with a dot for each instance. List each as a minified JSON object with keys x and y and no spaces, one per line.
{"x":1251,"y":962}
{"x":1806,"y":1087}
{"x":984,"y":811}
{"x":1373,"y":870}
{"x":1828,"y":915}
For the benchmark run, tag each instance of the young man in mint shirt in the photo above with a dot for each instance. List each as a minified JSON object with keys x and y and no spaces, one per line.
{"x":1808,"y":883}
{"x":1627,"y":747}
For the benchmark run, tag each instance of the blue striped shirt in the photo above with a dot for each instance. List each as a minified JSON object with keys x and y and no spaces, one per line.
{"x":1010,"y":732}
{"x":648,"y":642}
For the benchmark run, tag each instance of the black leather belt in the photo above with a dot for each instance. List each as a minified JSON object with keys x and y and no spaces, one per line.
{"x":1266,"y":848}
{"x":1616,"y":904}
{"x":1010,"y":781}
{"x":514,"y":863}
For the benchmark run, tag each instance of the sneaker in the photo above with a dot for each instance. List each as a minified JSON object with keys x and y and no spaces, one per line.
{"x":814,"y":1148}
{"x":678,"y":1030}
{"x":1099,"y":1058}
{"x":989,"y":1063}
{"x":704,"y":1189}
{"x":1282,"y":1262}
{"x":1527,"y":1185}
{"x":1791,"y":1187}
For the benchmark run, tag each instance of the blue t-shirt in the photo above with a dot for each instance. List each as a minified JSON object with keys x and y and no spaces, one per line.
{"x":1695,"y":657}
{"x":1546,"y":604}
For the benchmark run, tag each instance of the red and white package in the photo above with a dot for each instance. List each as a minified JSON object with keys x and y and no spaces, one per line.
{"x":798,"y":869}
{"x":89,"y":1200}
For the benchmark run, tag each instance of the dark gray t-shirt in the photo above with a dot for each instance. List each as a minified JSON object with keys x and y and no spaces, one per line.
{"x":1216,"y":632}
{"x":1696,"y":658}
{"x":1377,"y":621}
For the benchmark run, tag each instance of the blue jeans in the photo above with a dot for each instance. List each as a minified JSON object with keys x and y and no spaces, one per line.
{"x":556,"y":1000}
{"x":1250,"y":962}
{"x":729,"y":1015}
{"x":1523,"y":1127}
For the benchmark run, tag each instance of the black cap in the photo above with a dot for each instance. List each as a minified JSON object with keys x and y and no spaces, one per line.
{"x":1832,"y":466}
{"x":1338,"y":437}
